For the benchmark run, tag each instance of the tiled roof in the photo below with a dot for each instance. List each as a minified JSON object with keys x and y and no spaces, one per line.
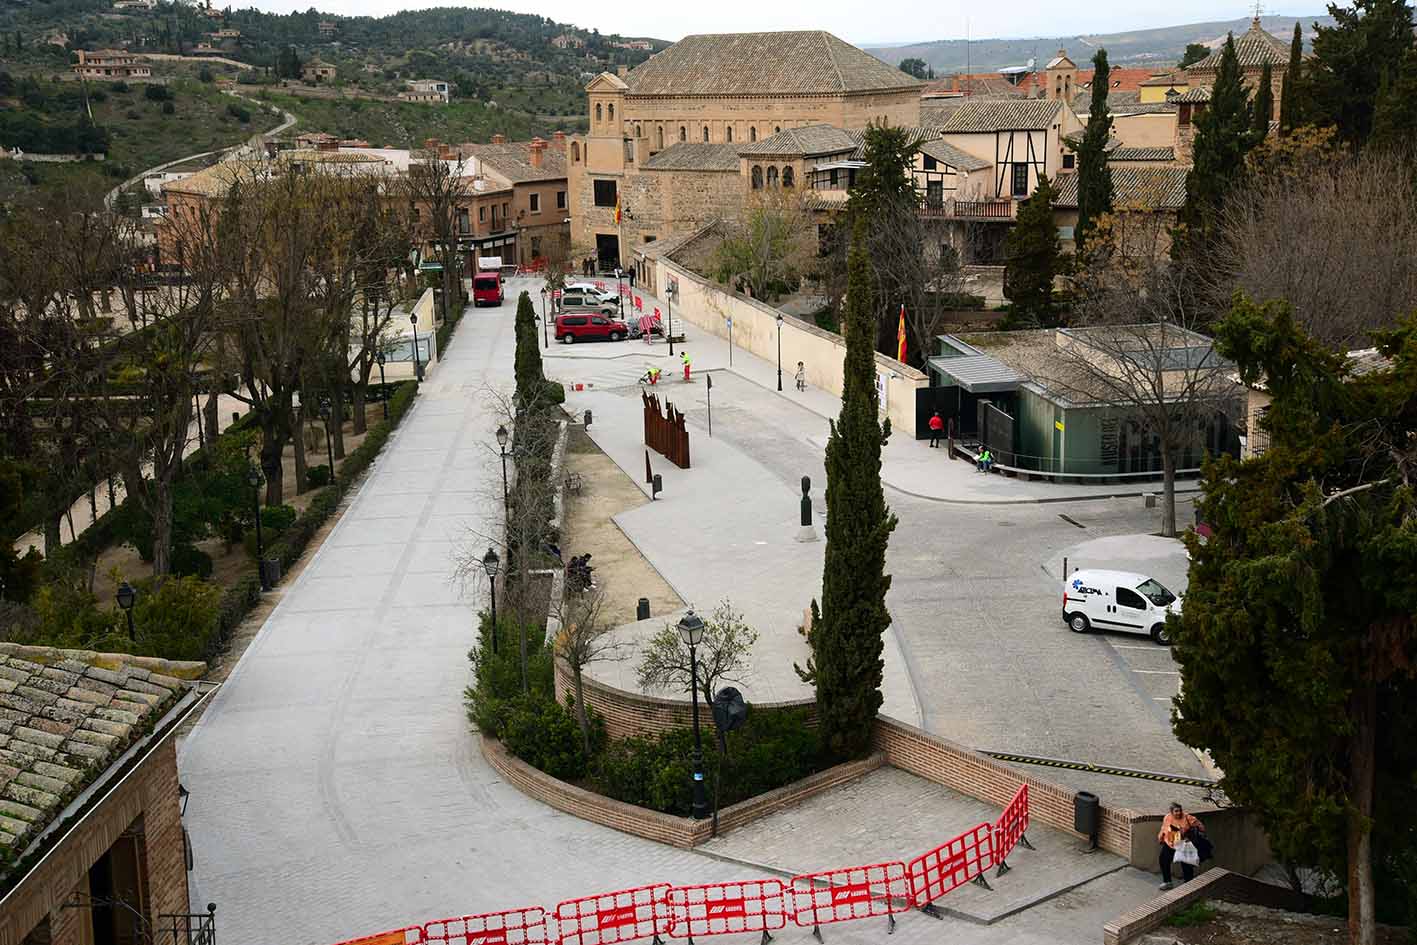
{"x":953,"y":156}
{"x":1160,"y":188}
{"x":693,"y":156}
{"x":1010,"y":115}
{"x":809,"y":62}
{"x":1165,"y":79}
{"x":938,"y":111}
{"x":1144,"y":108}
{"x":65,"y":717}
{"x":216,"y":180}
{"x":1141,"y":154}
{"x":810,"y":141}
{"x":1201,"y":94}
{"x":1060,"y":60}
{"x":1253,"y":49}
{"x":1116,"y":99}
{"x":512,"y":160}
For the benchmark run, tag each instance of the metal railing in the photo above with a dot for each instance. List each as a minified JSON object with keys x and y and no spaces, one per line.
{"x":195,"y":929}
{"x":952,"y":209}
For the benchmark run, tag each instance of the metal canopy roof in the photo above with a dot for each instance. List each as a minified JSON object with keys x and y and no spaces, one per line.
{"x":978,"y":373}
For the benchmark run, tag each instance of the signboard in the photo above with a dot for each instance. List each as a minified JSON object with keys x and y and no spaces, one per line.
{"x":882,"y":399}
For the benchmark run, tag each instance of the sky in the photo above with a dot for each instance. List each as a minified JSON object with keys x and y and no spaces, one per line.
{"x":878,"y":23}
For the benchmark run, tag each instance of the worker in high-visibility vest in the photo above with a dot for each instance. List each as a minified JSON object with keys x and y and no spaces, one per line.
{"x":687,"y":363}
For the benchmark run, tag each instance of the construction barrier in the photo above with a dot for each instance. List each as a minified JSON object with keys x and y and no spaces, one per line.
{"x":857,"y":892}
{"x":623,"y":916}
{"x":513,"y":927}
{"x":757,"y":905}
{"x":1010,"y":828}
{"x":950,"y":865}
{"x":413,"y":935}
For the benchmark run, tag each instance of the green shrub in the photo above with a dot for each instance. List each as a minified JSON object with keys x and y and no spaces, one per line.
{"x":120,"y":87}
{"x":204,"y":74}
{"x":317,"y":476}
{"x":20,"y":574}
{"x":156,"y":93}
{"x":498,"y":674}
{"x":176,"y":618}
{"x":544,"y":734}
{"x":189,"y":560}
{"x":69,"y":615}
{"x":168,"y":108}
{"x":1197,"y":913}
{"x":277,"y":518}
{"x":240,"y":114}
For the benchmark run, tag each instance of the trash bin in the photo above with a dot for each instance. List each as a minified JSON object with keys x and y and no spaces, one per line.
{"x":1086,"y":814}
{"x":271,"y":568}
{"x":642,"y":609}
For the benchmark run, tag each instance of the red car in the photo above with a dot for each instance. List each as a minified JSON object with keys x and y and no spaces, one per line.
{"x":589,"y":326}
{"x":487,"y":288}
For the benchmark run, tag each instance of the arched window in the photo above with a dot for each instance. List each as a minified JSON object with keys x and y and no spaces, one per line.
{"x":777,"y":129}
{"x":659,"y":138}
{"x":598,"y":115}
{"x":683,"y":133}
{"x":772,"y":177}
{"x":705,"y":134}
{"x":752,"y":133}
{"x":610,"y":112}
{"x":730,"y":134}
{"x":787,"y":177}
{"x":575,"y":152}
{"x":757,"y":177}
{"x":638,"y":132}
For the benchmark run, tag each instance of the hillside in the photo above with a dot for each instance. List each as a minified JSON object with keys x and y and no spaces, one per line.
{"x":1161,"y":46}
{"x":402,"y":125}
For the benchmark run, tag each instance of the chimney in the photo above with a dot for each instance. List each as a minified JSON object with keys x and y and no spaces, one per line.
{"x":623,"y":71}
{"x":499,"y":138}
{"x":538,"y":145}
{"x":430,"y":144}
{"x":560,"y":139}
{"x":445,"y":152}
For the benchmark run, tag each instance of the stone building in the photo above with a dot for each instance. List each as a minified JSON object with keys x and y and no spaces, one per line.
{"x":721,"y":90}
{"x":111,"y":64}
{"x":91,"y":829}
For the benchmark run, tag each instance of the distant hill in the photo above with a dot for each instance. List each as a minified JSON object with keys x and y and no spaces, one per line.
{"x":1139,"y":48}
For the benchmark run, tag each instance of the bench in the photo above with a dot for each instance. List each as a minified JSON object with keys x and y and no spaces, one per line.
{"x":574,"y":482}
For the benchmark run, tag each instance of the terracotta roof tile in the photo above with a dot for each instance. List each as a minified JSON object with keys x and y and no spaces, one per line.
{"x":512,"y":160}
{"x":1141,"y":154}
{"x":810,"y":141}
{"x":1161,"y":188}
{"x":953,"y":156}
{"x":1253,"y":49}
{"x":694,"y":156}
{"x":1008,"y":115}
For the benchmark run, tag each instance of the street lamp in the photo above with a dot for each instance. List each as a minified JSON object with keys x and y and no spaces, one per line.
{"x":383,"y":390}
{"x":127,"y":596}
{"x":544,"y":342}
{"x":502,"y":445}
{"x":691,"y":631}
{"x":325,"y":412}
{"x":491,"y":564}
{"x":253,"y":476}
{"x":779,"y":351}
{"x":671,"y":291}
{"x":620,"y":291}
{"x":417,"y":365}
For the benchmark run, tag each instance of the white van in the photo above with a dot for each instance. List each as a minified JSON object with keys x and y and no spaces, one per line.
{"x":1118,"y":600}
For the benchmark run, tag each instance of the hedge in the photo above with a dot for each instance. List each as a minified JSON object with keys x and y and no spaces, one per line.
{"x":445,"y":330}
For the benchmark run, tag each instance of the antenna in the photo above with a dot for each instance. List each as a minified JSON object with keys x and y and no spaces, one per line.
{"x":1259,"y":9}
{"x":966,"y":57}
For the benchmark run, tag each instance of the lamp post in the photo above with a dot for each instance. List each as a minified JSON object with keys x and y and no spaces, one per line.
{"x":127,"y":596}
{"x":779,"y":351}
{"x":253,"y":476}
{"x":417,"y":365}
{"x":491,"y":564}
{"x":383,"y":390}
{"x":325,"y":412}
{"x":620,"y":291}
{"x":544,"y":342}
{"x":691,"y":631}
{"x":502,"y":445}
{"x":670,"y":291}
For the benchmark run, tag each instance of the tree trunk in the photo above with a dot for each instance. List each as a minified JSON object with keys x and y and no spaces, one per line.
{"x":1168,"y":497}
{"x":274,"y":430}
{"x":1363,"y":709}
{"x":337,"y":417}
{"x":361,"y":425}
{"x":213,"y":421}
{"x":301,"y":464}
{"x":162,"y":527}
{"x":53,"y":541}
{"x":581,"y":718}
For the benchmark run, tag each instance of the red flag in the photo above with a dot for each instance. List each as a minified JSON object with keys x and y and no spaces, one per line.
{"x":900,"y":336}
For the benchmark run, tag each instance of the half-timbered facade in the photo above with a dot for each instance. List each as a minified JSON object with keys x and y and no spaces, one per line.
{"x":1021,"y":139}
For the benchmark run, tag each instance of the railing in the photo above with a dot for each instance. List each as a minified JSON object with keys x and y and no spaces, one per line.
{"x":196,"y":929}
{"x":952,"y":209}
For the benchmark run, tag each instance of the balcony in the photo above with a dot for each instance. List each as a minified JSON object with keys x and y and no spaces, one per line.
{"x":1002,"y":211}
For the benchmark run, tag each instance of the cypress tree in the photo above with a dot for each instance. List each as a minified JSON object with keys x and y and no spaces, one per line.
{"x":1262,"y":109}
{"x":1223,"y":138}
{"x":1395,"y":114}
{"x":846,"y":632}
{"x":1094,"y":176}
{"x":1351,"y":58}
{"x":530,"y":375}
{"x":1032,"y":249}
{"x":1291,"y":96}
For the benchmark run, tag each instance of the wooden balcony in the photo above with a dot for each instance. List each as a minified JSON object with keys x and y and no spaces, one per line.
{"x":987,"y":210}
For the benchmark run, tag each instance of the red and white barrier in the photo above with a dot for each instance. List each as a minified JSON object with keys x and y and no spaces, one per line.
{"x":1010,"y":828}
{"x":413,"y":935}
{"x":513,"y":927}
{"x":759,"y":905}
{"x":950,"y":865}
{"x":857,"y":892}
{"x":623,"y":916}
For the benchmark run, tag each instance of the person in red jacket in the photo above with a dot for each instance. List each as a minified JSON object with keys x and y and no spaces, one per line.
{"x":937,"y":429}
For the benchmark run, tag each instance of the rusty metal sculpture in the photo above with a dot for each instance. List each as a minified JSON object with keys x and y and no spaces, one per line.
{"x":664,"y":431}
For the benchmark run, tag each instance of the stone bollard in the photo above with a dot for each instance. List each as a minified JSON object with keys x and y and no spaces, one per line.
{"x":807,"y":531}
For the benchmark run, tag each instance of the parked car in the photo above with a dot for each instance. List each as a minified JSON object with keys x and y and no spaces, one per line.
{"x":589,"y":326}
{"x":589,"y":288}
{"x":487,"y":288}
{"x":592,"y":301}
{"x":1118,"y":600}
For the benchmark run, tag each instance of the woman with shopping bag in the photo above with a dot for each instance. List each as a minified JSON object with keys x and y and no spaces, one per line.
{"x":1175,"y":847}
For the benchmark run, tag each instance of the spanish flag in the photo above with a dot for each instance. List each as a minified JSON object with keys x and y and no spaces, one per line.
{"x":900,"y":336}
{"x":617,"y":209}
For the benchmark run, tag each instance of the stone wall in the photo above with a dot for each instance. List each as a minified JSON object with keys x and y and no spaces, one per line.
{"x":1213,"y":884}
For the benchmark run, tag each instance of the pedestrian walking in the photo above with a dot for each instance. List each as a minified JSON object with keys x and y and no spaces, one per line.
{"x":685,"y":358}
{"x":937,"y":427}
{"x":632,"y":277}
{"x":1177,"y":827}
{"x":801,"y":376}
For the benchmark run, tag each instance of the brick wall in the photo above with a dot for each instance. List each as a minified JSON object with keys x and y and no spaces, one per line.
{"x":630,"y":713}
{"x":1213,"y":884}
{"x":979,"y":776}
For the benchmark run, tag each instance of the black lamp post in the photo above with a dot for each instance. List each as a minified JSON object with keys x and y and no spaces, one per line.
{"x":383,"y":390}
{"x":502,"y":445}
{"x":670,"y":291}
{"x":492,"y":564}
{"x":325,"y":413}
{"x":779,"y":351}
{"x":253,"y":476}
{"x":544,"y":342}
{"x":691,"y":631}
{"x":127,"y":596}
{"x":620,"y":291}
{"x":417,"y":365}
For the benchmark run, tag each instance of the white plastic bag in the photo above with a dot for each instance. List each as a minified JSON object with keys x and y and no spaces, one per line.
{"x":1186,"y":852}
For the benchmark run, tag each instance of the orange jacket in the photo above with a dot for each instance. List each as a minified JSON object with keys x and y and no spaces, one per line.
{"x":1174,"y":828}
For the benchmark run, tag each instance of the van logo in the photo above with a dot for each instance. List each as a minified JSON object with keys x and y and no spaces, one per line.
{"x":1077,"y":586}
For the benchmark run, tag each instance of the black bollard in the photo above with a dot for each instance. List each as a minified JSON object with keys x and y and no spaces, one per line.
{"x":642,"y":609}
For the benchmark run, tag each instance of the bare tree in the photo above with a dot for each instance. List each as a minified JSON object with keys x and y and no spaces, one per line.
{"x":584,"y":638}
{"x":722,"y":654}
{"x":769,"y":246}
{"x":438,"y":186}
{"x":1329,"y":231}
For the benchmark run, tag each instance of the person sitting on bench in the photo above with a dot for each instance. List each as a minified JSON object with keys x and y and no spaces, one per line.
{"x":986,"y":460}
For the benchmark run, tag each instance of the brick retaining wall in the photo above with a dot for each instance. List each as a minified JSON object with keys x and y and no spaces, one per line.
{"x":1213,"y":884}
{"x":652,"y":825}
{"x":631,"y":713}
